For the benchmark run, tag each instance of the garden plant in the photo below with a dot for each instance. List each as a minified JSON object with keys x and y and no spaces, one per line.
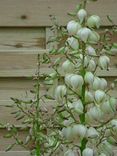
{"x":83,"y":118}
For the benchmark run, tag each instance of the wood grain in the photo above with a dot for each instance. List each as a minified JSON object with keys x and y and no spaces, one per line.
{"x":22,"y":38}
{"x":19,"y":63}
{"x":37,"y":12}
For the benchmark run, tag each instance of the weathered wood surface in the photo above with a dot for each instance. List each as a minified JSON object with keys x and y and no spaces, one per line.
{"x":17,"y":88}
{"x":37,"y":12}
{"x":19,"y":63}
{"x":22,"y":39}
{"x":14,"y":153}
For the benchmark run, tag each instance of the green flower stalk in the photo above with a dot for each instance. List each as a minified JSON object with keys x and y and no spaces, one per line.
{"x":83,"y":107}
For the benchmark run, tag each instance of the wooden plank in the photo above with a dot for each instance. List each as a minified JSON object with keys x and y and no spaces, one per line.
{"x":22,"y":38}
{"x":17,"y":88}
{"x":19,"y":63}
{"x":14,"y":153}
{"x":37,"y":12}
{"x":5,"y":142}
{"x":49,"y":35}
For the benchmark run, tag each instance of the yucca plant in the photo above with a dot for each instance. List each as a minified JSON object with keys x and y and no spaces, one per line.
{"x":82,"y":121}
{"x":84,"y":108}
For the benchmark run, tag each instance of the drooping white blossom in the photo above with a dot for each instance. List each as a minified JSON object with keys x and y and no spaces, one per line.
{"x":94,"y":21}
{"x":60,"y":92}
{"x":104,"y":62}
{"x":88,"y":152}
{"x":84,"y":34}
{"x":82,"y":14}
{"x":68,"y":66}
{"x":73,"y":27}
{"x":73,"y":43}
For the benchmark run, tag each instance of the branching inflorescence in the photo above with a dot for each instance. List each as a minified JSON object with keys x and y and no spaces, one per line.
{"x":83,"y":118}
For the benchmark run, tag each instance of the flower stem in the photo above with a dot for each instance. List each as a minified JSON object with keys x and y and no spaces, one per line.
{"x":82,"y":116}
{"x":38,"y":152}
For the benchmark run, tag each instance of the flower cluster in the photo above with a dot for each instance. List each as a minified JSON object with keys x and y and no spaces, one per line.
{"x":87,"y":109}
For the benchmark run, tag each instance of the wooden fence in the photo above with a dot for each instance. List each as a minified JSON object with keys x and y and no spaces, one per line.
{"x":24,"y":31}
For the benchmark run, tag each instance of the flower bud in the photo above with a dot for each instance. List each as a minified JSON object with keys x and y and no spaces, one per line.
{"x":68,"y":66}
{"x":91,"y":66}
{"x":74,"y":81}
{"x":84,"y":34}
{"x":69,"y":153}
{"x":73,"y":27}
{"x":104,"y":62}
{"x":78,"y":106}
{"x":60,"y":92}
{"x":94,"y":21}
{"x":67,"y":133}
{"x":100,"y":96}
{"x":91,"y":51}
{"x":89,"y":78}
{"x":88,"y":97}
{"x":82,"y":14}
{"x":79,"y":130}
{"x":95,"y":113}
{"x":106,"y":107}
{"x":94,"y":37}
{"x":92,"y":133}
{"x":88,"y":152}
{"x":73,"y":43}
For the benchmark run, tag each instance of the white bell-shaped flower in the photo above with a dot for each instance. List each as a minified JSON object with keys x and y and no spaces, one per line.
{"x":89,"y":97}
{"x":92,"y":133}
{"x":90,"y":51}
{"x":73,"y":27}
{"x":100,"y":96}
{"x":73,"y":43}
{"x":60,"y":92}
{"x":79,"y":130}
{"x":113,"y":103}
{"x":94,"y":37}
{"x":78,"y":106}
{"x":103,"y":84}
{"x":114,"y":123}
{"x":82,"y":14}
{"x":104,"y":62}
{"x":83,"y":34}
{"x":96,"y":83}
{"x":91,"y":66}
{"x":95,"y":113}
{"x":99,"y":83}
{"x":74,"y":81}
{"x":89,"y":78}
{"x":88,"y":152}
{"x":68,"y":66}
{"x":94,"y":21}
{"x":106,"y":107}
{"x":67,"y":133}
{"x":69,"y":153}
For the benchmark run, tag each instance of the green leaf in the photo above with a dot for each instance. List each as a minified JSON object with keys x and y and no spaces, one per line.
{"x":109,"y":19}
{"x":49,"y":97}
{"x":10,"y":147}
{"x":9,"y":135}
{"x":45,"y":58}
